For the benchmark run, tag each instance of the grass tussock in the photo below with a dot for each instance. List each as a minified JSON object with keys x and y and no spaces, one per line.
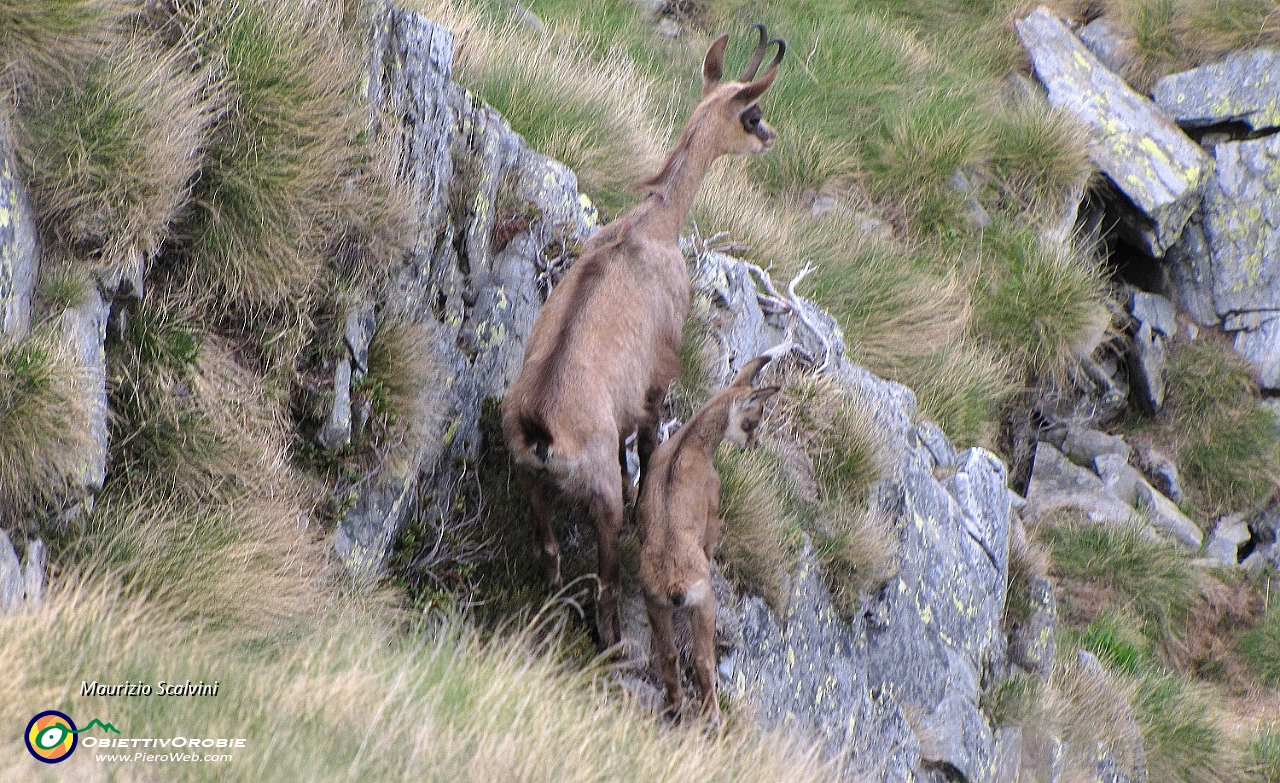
{"x":348,"y":699}
{"x":1037,"y":303}
{"x":275,"y":184}
{"x":399,"y":396}
{"x":43,"y":41}
{"x":44,"y":409}
{"x":1181,"y":731}
{"x":848,"y":453}
{"x":109,"y":153}
{"x":62,"y":286}
{"x":1226,"y":445}
{"x":1039,"y":153}
{"x":757,"y":508}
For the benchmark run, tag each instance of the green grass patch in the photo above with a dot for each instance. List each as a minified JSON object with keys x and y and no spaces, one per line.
{"x":1116,"y":638}
{"x":1150,"y":577}
{"x":1262,"y":757}
{"x":1260,"y":647}
{"x":43,"y":41}
{"x":758,"y":541}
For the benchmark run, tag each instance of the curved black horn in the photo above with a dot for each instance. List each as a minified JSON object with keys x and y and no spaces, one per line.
{"x":757,"y":57}
{"x":782,"y":49}
{"x":752,"y":92}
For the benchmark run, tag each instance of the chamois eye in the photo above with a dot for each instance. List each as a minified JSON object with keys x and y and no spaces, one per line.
{"x":751,"y":119}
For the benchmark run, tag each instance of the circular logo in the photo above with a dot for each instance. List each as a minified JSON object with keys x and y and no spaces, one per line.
{"x":51,"y":736}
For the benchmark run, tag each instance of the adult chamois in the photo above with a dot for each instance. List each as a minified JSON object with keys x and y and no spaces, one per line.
{"x":603,"y":349}
{"x":680,"y":525}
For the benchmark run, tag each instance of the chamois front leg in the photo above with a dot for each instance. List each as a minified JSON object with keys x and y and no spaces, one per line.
{"x":606,"y":513}
{"x":664,"y":648}
{"x":702,"y":618}
{"x":546,"y":547}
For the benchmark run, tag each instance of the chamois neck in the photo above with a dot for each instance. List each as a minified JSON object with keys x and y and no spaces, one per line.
{"x":673,"y":188}
{"x":707,"y":427}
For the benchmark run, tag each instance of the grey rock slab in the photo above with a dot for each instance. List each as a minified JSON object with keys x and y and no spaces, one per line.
{"x":1120,"y":478}
{"x":1148,"y":369}
{"x":935,"y":440}
{"x":19,"y":257}
{"x":1228,"y":534}
{"x":33,"y":571}
{"x":1155,"y":310}
{"x":1242,"y":226}
{"x":357,"y":333}
{"x":83,"y":330}
{"x":1058,"y":484}
{"x":1190,"y":274}
{"x":1261,"y":348}
{"x":1008,"y":754}
{"x":11,"y":586}
{"x":806,"y":673}
{"x":1148,"y":157}
{"x":1243,"y":87}
{"x":1107,"y":41}
{"x":336,"y":431}
{"x":476,"y":300}
{"x":1088,"y":444}
{"x":1165,"y":516}
{"x":1032,"y":643}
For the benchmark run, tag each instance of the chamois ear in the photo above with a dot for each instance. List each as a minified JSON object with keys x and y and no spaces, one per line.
{"x":752,"y":92}
{"x":713,"y":64}
{"x":761,"y":396}
{"x":747,"y":375}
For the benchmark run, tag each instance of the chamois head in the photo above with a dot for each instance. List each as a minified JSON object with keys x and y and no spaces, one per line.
{"x":746,"y":406}
{"x":729,"y":110}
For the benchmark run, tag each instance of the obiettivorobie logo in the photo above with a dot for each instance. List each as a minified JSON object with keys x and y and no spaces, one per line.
{"x":52,"y":736}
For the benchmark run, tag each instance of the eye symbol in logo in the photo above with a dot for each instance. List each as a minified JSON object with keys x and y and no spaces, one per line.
{"x":51,"y":736}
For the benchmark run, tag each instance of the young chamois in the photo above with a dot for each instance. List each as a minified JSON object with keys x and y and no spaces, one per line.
{"x":679,"y":526}
{"x":603,"y":349}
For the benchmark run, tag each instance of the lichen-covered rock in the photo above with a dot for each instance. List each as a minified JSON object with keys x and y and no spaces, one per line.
{"x":1148,"y":158}
{"x":1243,"y":87}
{"x":1107,"y":41}
{"x":1190,"y":274}
{"x":1260,"y":346}
{"x":1155,"y":310}
{"x":1242,"y":226}
{"x":481,"y":298}
{"x":18,"y":254}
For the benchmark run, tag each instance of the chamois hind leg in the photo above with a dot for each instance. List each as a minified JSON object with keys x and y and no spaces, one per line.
{"x":664,"y":648}
{"x":546,"y":547}
{"x":702,"y":618}
{"x":647,"y":432}
{"x":606,"y":513}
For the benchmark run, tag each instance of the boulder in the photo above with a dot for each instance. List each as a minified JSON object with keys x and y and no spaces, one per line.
{"x":1190,"y":274}
{"x":19,"y":259}
{"x":1107,"y":41}
{"x":1148,"y":369}
{"x":1160,"y":471}
{"x":1118,"y":476}
{"x":11,"y":583}
{"x":336,"y":431}
{"x":1148,"y":158}
{"x":1260,"y":346}
{"x":1155,"y":310}
{"x":1086,"y":444}
{"x":84,"y":330}
{"x":1165,"y":516}
{"x":1057,"y":484}
{"x":1243,"y":87}
{"x":1228,"y":534}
